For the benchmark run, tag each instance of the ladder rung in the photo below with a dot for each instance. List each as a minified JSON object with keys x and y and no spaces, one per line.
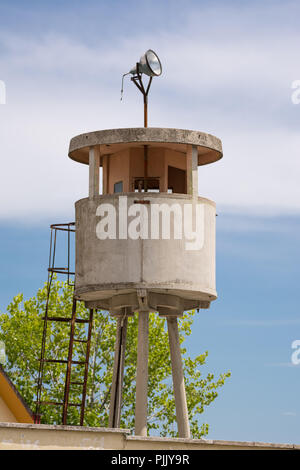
{"x":80,"y":341}
{"x":77,"y":320}
{"x":58,"y":361}
{"x":54,"y":403}
{"x":55,"y":361}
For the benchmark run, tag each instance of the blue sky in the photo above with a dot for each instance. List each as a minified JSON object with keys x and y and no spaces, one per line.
{"x":227,"y":70}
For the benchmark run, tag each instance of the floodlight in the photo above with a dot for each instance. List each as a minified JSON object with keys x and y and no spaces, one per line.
{"x":149,"y":64}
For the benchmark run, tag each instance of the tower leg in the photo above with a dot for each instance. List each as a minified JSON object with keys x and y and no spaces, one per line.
{"x":142,"y":375}
{"x":118,"y":372}
{"x":178,"y":379}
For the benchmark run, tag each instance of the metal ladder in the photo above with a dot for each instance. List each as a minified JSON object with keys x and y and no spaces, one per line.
{"x":69,"y":362}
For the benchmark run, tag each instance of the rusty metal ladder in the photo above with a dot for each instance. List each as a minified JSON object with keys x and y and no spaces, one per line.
{"x":72,"y":320}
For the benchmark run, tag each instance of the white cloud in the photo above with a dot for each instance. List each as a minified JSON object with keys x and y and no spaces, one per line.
{"x":224,"y":78}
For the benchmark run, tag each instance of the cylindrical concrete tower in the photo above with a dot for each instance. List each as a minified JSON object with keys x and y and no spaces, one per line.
{"x":147,"y":243}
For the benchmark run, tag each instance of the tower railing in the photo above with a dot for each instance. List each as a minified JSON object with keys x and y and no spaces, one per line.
{"x":69,"y":228}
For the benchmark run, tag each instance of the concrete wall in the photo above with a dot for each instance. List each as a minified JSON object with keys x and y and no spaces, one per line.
{"x":114,"y":266}
{"x":44,"y":437}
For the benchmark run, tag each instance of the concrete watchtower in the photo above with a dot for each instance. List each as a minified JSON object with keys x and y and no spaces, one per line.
{"x":147,"y":243}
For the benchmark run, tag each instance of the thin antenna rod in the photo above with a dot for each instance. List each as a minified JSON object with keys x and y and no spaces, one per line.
{"x":122,"y":89}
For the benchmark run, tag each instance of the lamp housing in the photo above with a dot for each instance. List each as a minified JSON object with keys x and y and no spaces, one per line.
{"x":149,"y":64}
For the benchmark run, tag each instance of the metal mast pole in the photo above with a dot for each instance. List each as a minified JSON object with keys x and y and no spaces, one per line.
{"x":137,"y":80}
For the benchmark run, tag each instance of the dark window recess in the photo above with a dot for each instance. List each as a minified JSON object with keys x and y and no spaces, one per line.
{"x":150,"y":184}
{"x":118,"y":187}
{"x":176,"y":180}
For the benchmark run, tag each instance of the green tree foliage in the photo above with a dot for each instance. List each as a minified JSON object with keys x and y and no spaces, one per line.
{"x":21,"y":330}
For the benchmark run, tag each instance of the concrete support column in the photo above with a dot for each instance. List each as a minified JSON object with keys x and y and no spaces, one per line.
{"x":105,"y":174}
{"x":94,"y":164}
{"x":142,"y":375}
{"x":118,"y":373}
{"x":178,"y":379}
{"x":195,"y":171}
{"x":192,"y":170}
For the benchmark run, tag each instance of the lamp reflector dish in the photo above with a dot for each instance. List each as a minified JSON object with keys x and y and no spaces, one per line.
{"x":153,"y":62}
{"x":149,"y":64}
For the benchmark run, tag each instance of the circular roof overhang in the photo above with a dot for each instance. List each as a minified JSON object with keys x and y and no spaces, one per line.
{"x":115,"y":140}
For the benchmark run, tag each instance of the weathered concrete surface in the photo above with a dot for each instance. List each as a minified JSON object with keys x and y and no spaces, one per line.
{"x":114,"y":140}
{"x":94,"y":164}
{"x":160,"y":443}
{"x":141,"y":395}
{"x":112,"y":270}
{"x":182,"y":415}
{"x":43,"y":437}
